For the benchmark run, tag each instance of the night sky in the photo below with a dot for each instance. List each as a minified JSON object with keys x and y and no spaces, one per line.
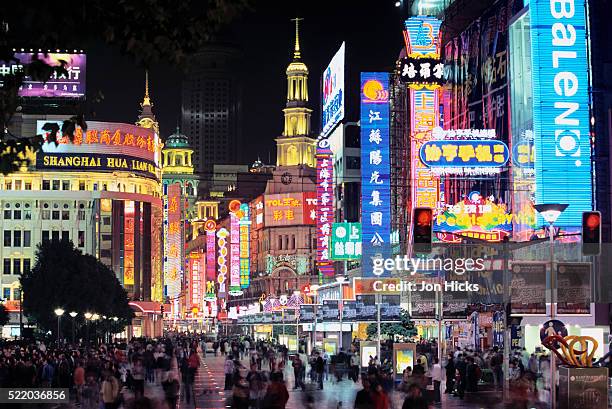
{"x":372,"y":31}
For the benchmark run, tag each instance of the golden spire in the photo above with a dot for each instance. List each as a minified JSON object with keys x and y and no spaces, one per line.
{"x":146,"y":100}
{"x":296,"y":50}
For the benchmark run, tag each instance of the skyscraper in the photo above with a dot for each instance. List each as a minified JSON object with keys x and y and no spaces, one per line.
{"x":212,"y":107}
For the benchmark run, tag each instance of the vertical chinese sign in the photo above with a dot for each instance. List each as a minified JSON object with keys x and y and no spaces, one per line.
{"x":128,"y":243}
{"x":222,"y":236}
{"x":325,"y":206}
{"x":245,"y":244}
{"x":375,"y":168}
{"x":422,"y":37}
{"x":174,"y":249}
{"x":196,"y":269}
{"x":211,"y":265}
{"x":234,"y":254}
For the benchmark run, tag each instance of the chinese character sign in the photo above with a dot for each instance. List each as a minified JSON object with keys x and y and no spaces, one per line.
{"x":222,"y":259}
{"x":128,"y":243}
{"x":245,"y":243}
{"x":375,"y":168}
{"x":421,"y":72}
{"x":561,"y":107}
{"x":211,"y":264}
{"x":345,"y":241}
{"x":68,"y":85}
{"x":196,"y":269}
{"x":174,"y":249}
{"x":325,"y":205}
{"x":286,"y":209}
{"x":234,"y":255}
{"x":464,"y":156}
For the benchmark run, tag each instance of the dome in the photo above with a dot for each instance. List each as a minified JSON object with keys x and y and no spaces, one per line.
{"x":297,"y":67}
{"x":177,"y":140}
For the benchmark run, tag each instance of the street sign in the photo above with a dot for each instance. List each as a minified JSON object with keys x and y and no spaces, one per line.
{"x":345,"y":241}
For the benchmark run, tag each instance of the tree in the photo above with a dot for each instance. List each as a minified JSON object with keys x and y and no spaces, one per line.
{"x":148,"y":31}
{"x":4,"y":315}
{"x":64,"y":277}
{"x":404,"y":328}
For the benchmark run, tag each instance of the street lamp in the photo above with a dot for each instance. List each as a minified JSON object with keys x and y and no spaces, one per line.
{"x":94,"y":318}
{"x":73,"y":315}
{"x":551,"y":212}
{"x":59,"y":312}
{"x":340,"y":280}
{"x":87,"y":316}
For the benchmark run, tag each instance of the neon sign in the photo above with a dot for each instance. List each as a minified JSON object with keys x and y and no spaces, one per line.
{"x":325,"y":205}
{"x":222,"y":236}
{"x":210,"y":226}
{"x":234,"y":254}
{"x":464,"y":157}
{"x":128,"y":243}
{"x":245,"y":242}
{"x":561,"y":106}
{"x":173,"y":250}
{"x":375,"y":167}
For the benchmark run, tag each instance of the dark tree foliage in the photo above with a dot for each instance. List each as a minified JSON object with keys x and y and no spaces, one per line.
{"x":148,"y":31}
{"x":404,"y":328}
{"x":4,"y":315}
{"x":64,"y":277}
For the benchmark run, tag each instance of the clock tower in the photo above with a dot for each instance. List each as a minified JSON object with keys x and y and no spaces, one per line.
{"x":296,"y":146}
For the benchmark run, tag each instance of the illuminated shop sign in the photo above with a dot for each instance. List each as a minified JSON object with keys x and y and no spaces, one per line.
{"x":69,"y":85}
{"x":375,"y":167}
{"x":286,"y":209}
{"x":333,"y":92}
{"x":464,"y":157}
{"x":478,"y":217}
{"x":96,"y":163}
{"x":258,"y":214}
{"x":235,"y":216}
{"x":128,"y":242}
{"x":325,"y":205}
{"x":245,"y":243}
{"x":196,"y":267}
{"x":173,"y":249}
{"x":421,"y":72}
{"x":222,"y":236}
{"x":422,"y":39}
{"x":346,"y":241}
{"x":211,"y":227}
{"x":561,"y":106}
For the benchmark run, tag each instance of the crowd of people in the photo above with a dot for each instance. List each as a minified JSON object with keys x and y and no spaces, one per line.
{"x":258,"y":373}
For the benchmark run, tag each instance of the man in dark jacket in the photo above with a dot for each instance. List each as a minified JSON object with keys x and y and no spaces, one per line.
{"x":450,"y":374}
{"x":461,"y":367}
{"x":319,"y":369}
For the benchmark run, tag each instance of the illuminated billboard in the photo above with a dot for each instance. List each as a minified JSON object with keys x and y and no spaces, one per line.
{"x":245,"y":247}
{"x":257,"y":213}
{"x":333,"y":92}
{"x":478,"y":217}
{"x":222,"y":236}
{"x":286,"y":209}
{"x":211,"y":263}
{"x":325,"y":205}
{"x":70,"y":85}
{"x":196,"y":263}
{"x":234,"y":254}
{"x":561,"y":106}
{"x":128,"y":242}
{"x":173,"y":260}
{"x":104,"y":146}
{"x":422,"y":39}
{"x":421,"y":72}
{"x":375,"y":168}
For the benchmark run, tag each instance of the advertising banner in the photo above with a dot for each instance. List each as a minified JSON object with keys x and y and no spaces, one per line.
{"x":560,"y":65}
{"x":345,"y":241}
{"x":222,"y":261}
{"x":286,"y":209}
{"x":423,"y":304}
{"x":390,"y":310}
{"x":234,"y":255}
{"x":325,"y":205}
{"x":375,"y":169}
{"x":196,"y":270}
{"x":128,"y":241}
{"x":573,"y":288}
{"x":333,"y":92}
{"x":349,"y":311}
{"x":173,"y":255}
{"x":70,"y":85}
{"x":245,"y":251}
{"x":211,"y":263}
{"x":528,"y":288}
{"x":330,"y":311}
{"x":366,"y":308}
{"x":307,"y":313}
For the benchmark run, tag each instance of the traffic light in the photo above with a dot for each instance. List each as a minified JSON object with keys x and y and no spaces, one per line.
{"x":161,"y":310}
{"x":422,"y":229}
{"x":591,"y":233}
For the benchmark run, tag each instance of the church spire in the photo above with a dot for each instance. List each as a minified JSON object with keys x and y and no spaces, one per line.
{"x":146,"y":119}
{"x":296,"y":50}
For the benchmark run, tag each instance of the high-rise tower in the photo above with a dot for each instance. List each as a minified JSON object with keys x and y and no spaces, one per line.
{"x":295,"y":146}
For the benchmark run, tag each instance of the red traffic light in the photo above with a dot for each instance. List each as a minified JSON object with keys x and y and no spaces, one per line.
{"x":591,"y":233}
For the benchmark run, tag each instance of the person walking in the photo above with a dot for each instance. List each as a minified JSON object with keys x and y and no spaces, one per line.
{"x":436,"y":376}
{"x":240,"y":390}
{"x":110,"y":391}
{"x":276,"y":395}
{"x":298,"y":372}
{"x":138,"y":377}
{"x":414,"y":398}
{"x":363,"y":399}
{"x":228,"y":369}
{"x":319,"y":369}
{"x":450,"y":374}
{"x":171,"y":388}
{"x":91,"y":394}
{"x":187,"y":377}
